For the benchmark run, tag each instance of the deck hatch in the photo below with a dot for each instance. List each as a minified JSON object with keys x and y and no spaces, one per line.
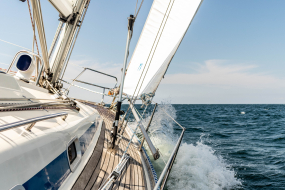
{"x":73,"y":153}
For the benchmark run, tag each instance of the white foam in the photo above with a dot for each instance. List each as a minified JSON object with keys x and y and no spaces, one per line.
{"x":196,"y":167}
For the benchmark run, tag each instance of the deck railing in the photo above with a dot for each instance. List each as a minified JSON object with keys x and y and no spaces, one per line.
{"x":31,"y":122}
{"x":103,"y":87}
{"x":166,"y":170}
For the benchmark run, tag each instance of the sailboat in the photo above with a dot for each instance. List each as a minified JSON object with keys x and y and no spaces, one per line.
{"x":52,"y":141}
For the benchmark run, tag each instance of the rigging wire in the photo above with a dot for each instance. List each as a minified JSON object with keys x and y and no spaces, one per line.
{"x":132,"y":101}
{"x":15,"y":45}
{"x":154,"y":142}
{"x":156,"y":45}
{"x":134,"y":132}
{"x":123,"y":127}
{"x":33,"y":26}
{"x":82,"y":19}
{"x":34,"y":36}
{"x":138,"y":9}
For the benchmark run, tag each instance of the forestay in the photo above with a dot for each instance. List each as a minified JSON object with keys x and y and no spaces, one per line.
{"x":165,"y":27}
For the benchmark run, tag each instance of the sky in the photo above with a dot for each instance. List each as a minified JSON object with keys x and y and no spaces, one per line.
{"x":233,"y":52}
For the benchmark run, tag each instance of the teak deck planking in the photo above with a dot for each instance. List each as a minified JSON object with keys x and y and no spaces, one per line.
{"x":102,"y":162}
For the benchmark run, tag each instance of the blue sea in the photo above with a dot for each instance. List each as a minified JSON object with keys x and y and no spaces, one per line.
{"x":224,"y":146}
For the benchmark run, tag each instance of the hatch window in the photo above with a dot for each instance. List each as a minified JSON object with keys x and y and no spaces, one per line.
{"x":72,"y":152}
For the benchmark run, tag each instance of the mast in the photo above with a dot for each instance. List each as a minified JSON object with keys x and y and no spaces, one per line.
{"x":41,"y":31}
{"x":119,"y":103}
{"x":72,"y":25}
{"x":70,"y":13}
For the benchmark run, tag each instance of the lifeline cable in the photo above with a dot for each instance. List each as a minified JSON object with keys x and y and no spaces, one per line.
{"x":15,"y":45}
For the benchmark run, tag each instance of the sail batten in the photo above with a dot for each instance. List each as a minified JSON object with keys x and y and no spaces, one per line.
{"x":165,"y":27}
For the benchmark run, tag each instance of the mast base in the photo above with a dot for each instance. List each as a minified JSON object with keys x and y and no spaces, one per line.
{"x":112,"y":150}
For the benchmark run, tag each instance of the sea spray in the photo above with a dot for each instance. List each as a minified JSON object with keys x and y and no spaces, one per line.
{"x":197,"y":166}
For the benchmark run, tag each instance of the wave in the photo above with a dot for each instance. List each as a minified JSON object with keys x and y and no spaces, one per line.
{"x":197,"y":166}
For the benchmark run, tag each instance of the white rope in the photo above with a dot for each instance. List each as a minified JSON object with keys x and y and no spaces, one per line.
{"x":109,"y":101}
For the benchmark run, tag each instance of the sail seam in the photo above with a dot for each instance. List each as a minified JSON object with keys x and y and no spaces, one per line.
{"x":150,"y":52}
{"x":153,"y":52}
{"x":179,"y":44}
{"x":164,"y":20}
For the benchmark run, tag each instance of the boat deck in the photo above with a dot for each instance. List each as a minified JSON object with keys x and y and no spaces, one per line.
{"x":102,"y":162}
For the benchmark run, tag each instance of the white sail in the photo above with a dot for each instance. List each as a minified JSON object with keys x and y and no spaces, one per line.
{"x":64,"y":7}
{"x":165,"y":27}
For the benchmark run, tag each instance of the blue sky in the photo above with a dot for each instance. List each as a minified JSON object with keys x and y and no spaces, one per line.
{"x":233,"y":51}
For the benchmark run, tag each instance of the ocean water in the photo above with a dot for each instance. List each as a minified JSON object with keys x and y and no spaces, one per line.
{"x":224,"y":146}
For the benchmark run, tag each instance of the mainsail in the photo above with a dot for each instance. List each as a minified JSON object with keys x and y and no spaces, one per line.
{"x":165,"y":27}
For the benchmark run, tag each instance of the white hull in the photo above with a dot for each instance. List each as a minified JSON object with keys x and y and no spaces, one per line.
{"x":38,"y":159}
